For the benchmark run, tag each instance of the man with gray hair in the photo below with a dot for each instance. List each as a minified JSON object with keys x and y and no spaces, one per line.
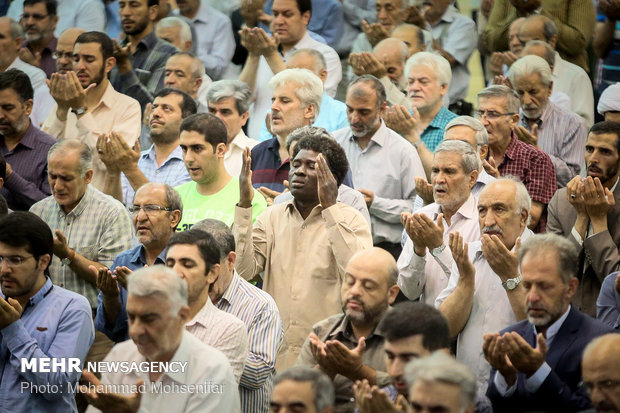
{"x":537,"y":362}
{"x":157,"y":305}
{"x":542,"y":124}
{"x":425,"y":259}
{"x":229,"y":100}
{"x":498,"y":108}
{"x":484,"y":292}
{"x":186,"y":72}
{"x":303,"y":388}
{"x":9,"y":58}
{"x":176,"y":31}
{"x":441,"y":383}
{"x":383,"y":163}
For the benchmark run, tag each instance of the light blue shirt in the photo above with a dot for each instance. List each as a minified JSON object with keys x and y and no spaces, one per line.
{"x":84,"y":14}
{"x":332,"y":116}
{"x":56,"y":323}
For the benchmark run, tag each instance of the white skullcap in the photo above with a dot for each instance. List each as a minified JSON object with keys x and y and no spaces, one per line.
{"x":609,"y":100}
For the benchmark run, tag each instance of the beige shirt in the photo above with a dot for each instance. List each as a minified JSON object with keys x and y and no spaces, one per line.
{"x":303,"y":263}
{"x":115,"y":112}
{"x":233,"y":158}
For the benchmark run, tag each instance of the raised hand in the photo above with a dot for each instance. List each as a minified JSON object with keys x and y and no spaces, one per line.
{"x":122,"y":275}
{"x":424,"y":189}
{"x":597,"y":199}
{"x":106,"y":282}
{"x":399,"y":119}
{"x":531,"y":138}
{"x":491,"y":167}
{"x":496,"y":356}
{"x":268,"y":194}
{"x":10,"y":311}
{"x":575,"y":193}
{"x":61,"y":248}
{"x":122,"y":57}
{"x":246,"y":192}
{"x":103,"y":399}
{"x":502,"y":261}
{"x":326,"y":183}
{"x":459,"y":250}
{"x":375,"y":32}
{"x":523,"y":357}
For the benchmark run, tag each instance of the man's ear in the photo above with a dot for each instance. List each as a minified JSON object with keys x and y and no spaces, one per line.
{"x":572,"y":287}
{"x":553,"y":41}
{"x":110,"y":62}
{"x":221,"y":149}
{"x":153,"y":12}
{"x":392,"y":293}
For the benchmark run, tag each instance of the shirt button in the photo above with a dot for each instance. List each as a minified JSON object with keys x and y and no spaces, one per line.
{"x":62,"y":284}
{"x":303,"y":226}
{"x":157,"y":171}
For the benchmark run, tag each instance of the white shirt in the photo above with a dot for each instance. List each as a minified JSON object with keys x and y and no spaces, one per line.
{"x":233,"y":158}
{"x":263,"y":92}
{"x":574,"y":81}
{"x":490,"y":313}
{"x":36,"y":75}
{"x":206,"y":367}
{"x":223,"y":331}
{"x":429,"y":275}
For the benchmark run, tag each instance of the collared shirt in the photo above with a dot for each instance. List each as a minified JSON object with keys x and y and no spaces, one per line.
{"x":134,"y":259}
{"x":58,"y":324}
{"x":332,"y":116}
{"x":429,"y":275}
{"x":490,"y":313}
{"x":386,"y":167}
{"x":562,"y":136}
{"x":115,"y":112}
{"x":37,"y":76}
{"x":263,"y":92}
{"x":262,"y":319}
{"x":172,"y":171}
{"x":574,"y":81}
{"x":98,"y":228}
{"x":303,"y":262}
{"x":28,"y":183}
{"x":233,"y":158}
{"x":147,"y":75}
{"x":267,"y":168}
{"x":223,"y":331}
{"x":457,"y":35}
{"x":608,"y":302}
{"x":433,"y":133}
{"x":338,"y":327}
{"x":216,"y":44}
{"x":48,"y":63}
{"x":205,"y":367}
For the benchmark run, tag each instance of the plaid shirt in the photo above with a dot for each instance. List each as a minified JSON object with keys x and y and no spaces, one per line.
{"x":148,"y":63}
{"x":98,"y":228}
{"x":433,"y":134}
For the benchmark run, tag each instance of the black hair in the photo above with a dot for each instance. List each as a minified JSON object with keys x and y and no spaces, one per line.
{"x":105,"y":43}
{"x":209,"y":126}
{"x":18,"y":81}
{"x":334,"y":154}
{"x":188,"y":104}
{"x":411,"y":319}
{"x":606,"y":127}
{"x":151,"y":3}
{"x":206,"y":243}
{"x":304,"y":6}
{"x":50,"y":5}
{"x":25,"y":229}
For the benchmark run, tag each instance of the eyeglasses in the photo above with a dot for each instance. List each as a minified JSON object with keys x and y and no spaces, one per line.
{"x":491,"y":114}
{"x":59,"y":55}
{"x":604,"y":386}
{"x":148,"y":209}
{"x":38,"y":17}
{"x":13,"y":260}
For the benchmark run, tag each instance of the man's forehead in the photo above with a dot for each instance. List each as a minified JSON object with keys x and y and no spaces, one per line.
{"x":285,"y":5}
{"x":38,"y":6}
{"x":394,"y":3}
{"x":461,"y":133}
{"x":143,"y":305}
{"x":306,"y":155}
{"x":170,"y":99}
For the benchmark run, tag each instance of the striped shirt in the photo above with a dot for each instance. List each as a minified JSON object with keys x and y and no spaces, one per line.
{"x":172,"y":171}
{"x":98,"y":228}
{"x":260,"y":314}
{"x":223,"y":331}
{"x":562,"y":136}
{"x":433,"y":133}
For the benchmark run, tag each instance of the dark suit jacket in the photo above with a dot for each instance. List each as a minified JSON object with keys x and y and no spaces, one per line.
{"x":600,"y":251}
{"x":560,"y":392}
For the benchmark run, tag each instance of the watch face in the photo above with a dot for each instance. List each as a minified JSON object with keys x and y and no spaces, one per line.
{"x":511,"y":284}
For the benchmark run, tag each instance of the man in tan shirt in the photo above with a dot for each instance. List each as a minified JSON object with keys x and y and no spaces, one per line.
{"x":302,"y":245}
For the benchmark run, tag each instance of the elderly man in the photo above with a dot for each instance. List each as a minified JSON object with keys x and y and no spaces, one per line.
{"x":39,"y":21}
{"x":422,"y":265}
{"x":567,"y":77}
{"x":257,"y":310}
{"x":587,"y":213}
{"x":158,"y":311}
{"x":302,"y":246}
{"x":536,"y":362}
{"x":440,"y":383}
{"x":302,"y":388}
{"x":347,"y":346}
{"x":185,"y":72}
{"x":558,"y":133}
{"x":498,"y":108}
{"x":87,"y":105}
{"x":601,"y":373}
{"x":501,"y":61}
{"x":484,"y":293}
{"x":28,"y":301}
{"x":13,"y":34}
{"x":64,"y":50}
{"x":156,"y":211}
{"x":609,"y":103}
{"x":412,"y":35}
{"x":297,"y":97}
{"x":23,"y":145}
{"x":229,"y":100}
{"x":390,"y":14}
{"x":383,"y":163}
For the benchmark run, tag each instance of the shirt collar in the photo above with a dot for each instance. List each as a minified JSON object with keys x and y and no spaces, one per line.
{"x":379,"y":136}
{"x":202,"y":314}
{"x":484,"y":177}
{"x":28,"y":140}
{"x":139,"y":256}
{"x":543,"y":118}
{"x":240,"y":140}
{"x":302,"y":43}
{"x":108,"y":96}
{"x":233,"y":287}
{"x":553,"y":329}
{"x":40,"y":295}
{"x":345,"y":329}
{"x":449,"y":15}
{"x":148,"y":42}
{"x":149,"y":154}
{"x":203,"y":14}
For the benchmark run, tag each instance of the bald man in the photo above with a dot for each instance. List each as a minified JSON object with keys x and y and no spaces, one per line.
{"x":601,"y":373}
{"x":412,"y":36}
{"x":501,"y":61}
{"x":64,"y":49}
{"x":334,"y":345}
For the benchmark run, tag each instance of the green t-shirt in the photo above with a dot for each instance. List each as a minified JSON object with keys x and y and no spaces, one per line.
{"x":197,"y":207}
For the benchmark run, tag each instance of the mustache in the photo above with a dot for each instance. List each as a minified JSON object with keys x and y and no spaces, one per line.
{"x":492,"y":228}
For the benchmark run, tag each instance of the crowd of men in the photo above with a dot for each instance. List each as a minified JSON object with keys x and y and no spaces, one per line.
{"x":295,"y":201}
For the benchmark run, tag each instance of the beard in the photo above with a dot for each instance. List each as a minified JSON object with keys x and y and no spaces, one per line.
{"x":140,"y":26}
{"x":365,"y":315}
{"x":548,"y":317}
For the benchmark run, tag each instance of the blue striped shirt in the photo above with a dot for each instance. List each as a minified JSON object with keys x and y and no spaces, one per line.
{"x":259,"y":313}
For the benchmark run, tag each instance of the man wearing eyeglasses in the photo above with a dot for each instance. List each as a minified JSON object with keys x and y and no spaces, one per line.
{"x":601,"y":373}
{"x":498,"y":110}
{"x":39,"y":21}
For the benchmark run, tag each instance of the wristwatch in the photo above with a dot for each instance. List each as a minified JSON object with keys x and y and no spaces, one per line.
{"x":436,"y":251}
{"x":69,"y":258}
{"x":511,"y":283}
{"x":79,"y":111}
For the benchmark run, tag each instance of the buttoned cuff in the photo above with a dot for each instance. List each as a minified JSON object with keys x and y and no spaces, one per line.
{"x":577,"y":237}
